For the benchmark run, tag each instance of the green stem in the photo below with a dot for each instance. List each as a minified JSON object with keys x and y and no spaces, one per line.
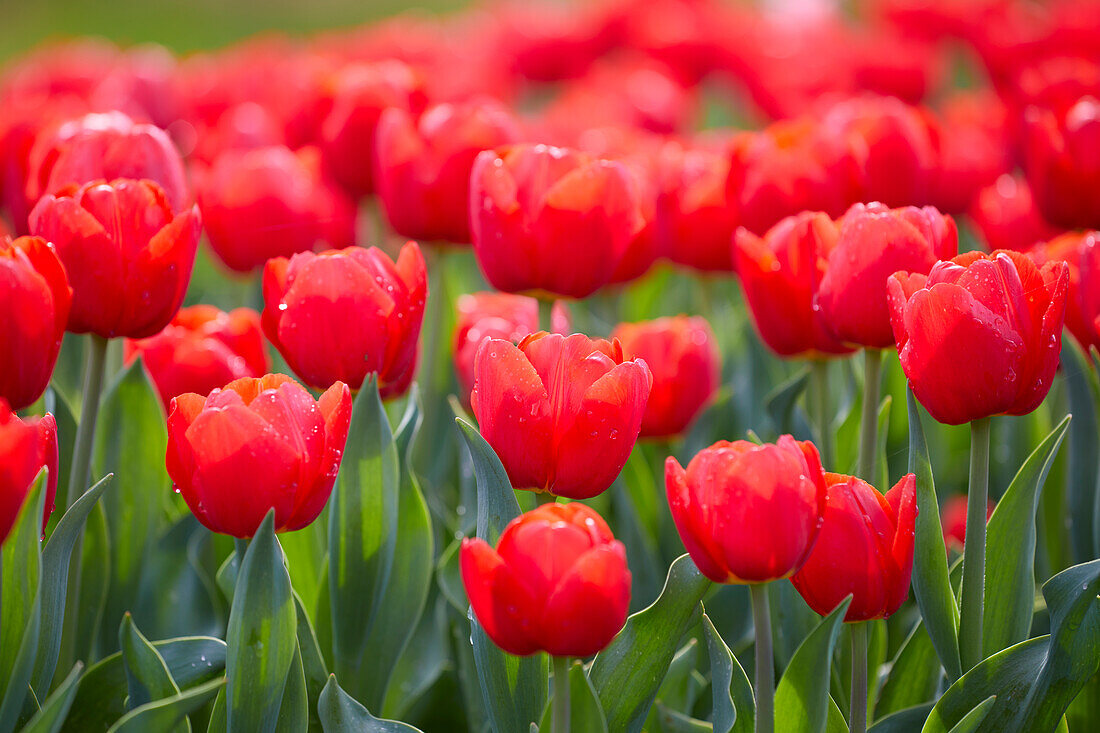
{"x":857,"y":720}
{"x":973,"y":581}
{"x":561,"y":695}
{"x":819,"y":406}
{"x":546,"y":315}
{"x":94,"y":363}
{"x":868,"y":421}
{"x":765,"y":676}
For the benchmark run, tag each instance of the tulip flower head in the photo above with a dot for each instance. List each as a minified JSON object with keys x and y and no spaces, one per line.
{"x":203,"y":348}
{"x":1080,"y":250}
{"x":127,"y":255}
{"x":694,"y":223}
{"x":1062,"y":161}
{"x":561,"y":412}
{"x":999,"y":315}
{"x":257,"y":445}
{"x":876,"y":241}
{"x":34,"y":308}
{"x":864,"y":549}
{"x":557,"y":582}
{"x":748,"y":513}
{"x":551,"y":219}
{"x":26,"y":447}
{"x":682,"y":354}
{"x":780,"y":274}
{"x":1007,"y":218}
{"x":343,"y":314}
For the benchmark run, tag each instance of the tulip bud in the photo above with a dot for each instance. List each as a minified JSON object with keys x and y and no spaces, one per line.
{"x":874,"y":243}
{"x":272,"y":202}
{"x":343,"y":314}
{"x":562,"y":412}
{"x":202,"y":349}
{"x":864,"y":549}
{"x":34,"y":298}
{"x":127,"y":255}
{"x":257,"y":445}
{"x":551,"y":219}
{"x":780,"y":275}
{"x":981,"y":334}
{"x":491,"y":315}
{"x":26,"y":447}
{"x":423,"y":176}
{"x":682,"y":354}
{"x":105,"y":147}
{"x":1062,"y":161}
{"x":748,"y":513}
{"x":557,"y":582}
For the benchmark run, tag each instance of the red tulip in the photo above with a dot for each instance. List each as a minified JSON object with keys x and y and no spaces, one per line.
{"x":682,"y":354}
{"x":343,"y":314}
{"x":491,"y":315}
{"x":551,"y":219}
{"x":272,"y":202}
{"x":981,"y":334}
{"x":34,"y":307}
{"x":973,"y":149}
{"x":359,"y":93}
{"x":875,"y":242}
{"x":694,"y":220}
{"x":562,"y":412}
{"x":892,"y":142}
{"x":788,"y":168}
{"x":128,"y":256}
{"x":748,"y":513}
{"x":26,"y":447}
{"x":423,"y":175}
{"x":106,"y":146}
{"x":203,"y":348}
{"x":557,"y":582}
{"x":1081,"y":253}
{"x":953,"y":516}
{"x":1062,"y":160}
{"x":780,"y":275}
{"x":1007,"y":218}
{"x":257,"y":445}
{"x":864,"y":549}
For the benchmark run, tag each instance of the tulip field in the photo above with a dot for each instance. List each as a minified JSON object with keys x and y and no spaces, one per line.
{"x":591,"y":366}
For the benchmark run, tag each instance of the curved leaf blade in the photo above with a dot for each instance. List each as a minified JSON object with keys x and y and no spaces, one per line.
{"x":733,"y":707}
{"x":52,"y":714}
{"x":147,"y":675}
{"x":802,"y":698}
{"x":340,"y":713}
{"x":165,"y":715}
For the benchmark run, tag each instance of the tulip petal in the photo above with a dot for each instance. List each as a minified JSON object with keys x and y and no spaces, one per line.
{"x":499,"y":604}
{"x":589,"y":605}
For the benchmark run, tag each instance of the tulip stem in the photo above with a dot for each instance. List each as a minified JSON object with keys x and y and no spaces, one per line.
{"x":973,"y":581}
{"x":819,"y":406}
{"x":868,"y":421}
{"x":561,"y":695}
{"x":765,"y":676}
{"x":546,"y":315}
{"x":857,"y":720}
{"x":94,"y":363}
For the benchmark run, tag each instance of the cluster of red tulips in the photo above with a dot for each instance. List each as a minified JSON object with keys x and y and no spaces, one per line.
{"x":535,"y":177}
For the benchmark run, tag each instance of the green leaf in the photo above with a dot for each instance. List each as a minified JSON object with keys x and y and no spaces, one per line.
{"x":363,"y":515}
{"x":834,"y":721}
{"x":101,"y":695}
{"x":55,"y":575}
{"x":733,"y":707}
{"x":95,"y":577}
{"x":496,"y":500}
{"x":585,"y":713}
{"x":294,"y":711}
{"x":903,"y":721}
{"x":914,"y":675}
{"x":21,"y":567}
{"x":166,"y":714}
{"x":340,"y":713}
{"x":802,"y":698}
{"x":313,"y":661}
{"x":629,"y":671}
{"x":147,"y":676}
{"x":131,"y":440}
{"x":780,"y":402}
{"x":52,"y":713}
{"x":1010,"y":550}
{"x":974,"y":718}
{"x":261,"y":635}
{"x":1084,"y":436}
{"x":449,"y":576}
{"x":931,"y":584}
{"x":1035,"y":680}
